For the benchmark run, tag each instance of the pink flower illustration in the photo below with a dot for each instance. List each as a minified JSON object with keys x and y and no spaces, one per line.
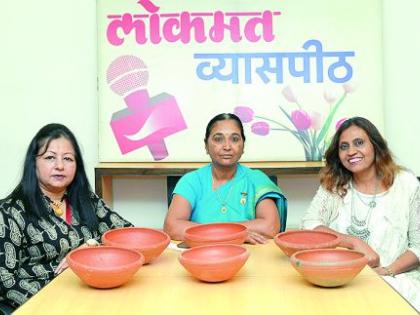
{"x":301,"y":119}
{"x":260,"y":128}
{"x":245,"y":113}
{"x":310,"y":129}
{"x":339,"y":123}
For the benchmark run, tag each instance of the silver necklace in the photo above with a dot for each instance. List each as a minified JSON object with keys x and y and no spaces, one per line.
{"x":360,"y":227}
{"x":372,"y":202}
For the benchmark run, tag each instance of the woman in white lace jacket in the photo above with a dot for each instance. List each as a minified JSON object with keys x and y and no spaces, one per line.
{"x":372,"y":204}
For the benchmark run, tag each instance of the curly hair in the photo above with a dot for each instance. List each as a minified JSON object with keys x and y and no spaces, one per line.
{"x":335,"y":177}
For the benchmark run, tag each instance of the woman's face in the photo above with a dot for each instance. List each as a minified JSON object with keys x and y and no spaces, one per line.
{"x":56,"y":167}
{"x":356,"y":151}
{"x":225,"y":144}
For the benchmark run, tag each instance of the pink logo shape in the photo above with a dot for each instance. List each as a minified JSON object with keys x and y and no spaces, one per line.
{"x":146,"y":121}
{"x":148,"y":6}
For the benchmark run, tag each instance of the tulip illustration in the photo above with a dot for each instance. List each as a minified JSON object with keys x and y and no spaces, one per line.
{"x":301,"y":119}
{"x":349,"y":87}
{"x":316,"y":120}
{"x":339,"y":123}
{"x":310,"y":129}
{"x":330,"y":97}
{"x":260,"y":128}
{"x":245,"y":113}
{"x":289,"y":95}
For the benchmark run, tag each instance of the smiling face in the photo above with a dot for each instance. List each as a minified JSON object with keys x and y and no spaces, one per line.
{"x":356,"y":151}
{"x":56,"y":167}
{"x":225,"y":144}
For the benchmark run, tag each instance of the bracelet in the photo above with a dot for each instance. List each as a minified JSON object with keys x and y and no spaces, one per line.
{"x":389,"y":272}
{"x":92,"y":242}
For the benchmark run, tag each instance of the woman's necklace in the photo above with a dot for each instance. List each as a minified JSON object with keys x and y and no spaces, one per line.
{"x":223,"y":202}
{"x":360,"y":227}
{"x":58,"y":206}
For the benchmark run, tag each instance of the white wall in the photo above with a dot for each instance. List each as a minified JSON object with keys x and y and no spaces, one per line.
{"x":402,"y":84}
{"x":48,"y":74}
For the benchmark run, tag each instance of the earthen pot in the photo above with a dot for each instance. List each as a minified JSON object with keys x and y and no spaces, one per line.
{"x":104,"y":267}
{"x":215,"y":233}
{"x":150,"y":242}
{"x":214,"y":263}
{"x":296,"y":240}
{"x":330,"y":267}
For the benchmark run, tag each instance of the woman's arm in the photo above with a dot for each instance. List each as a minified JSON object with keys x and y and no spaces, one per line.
{"x":14,"y":288}
{"x":405,"y":262}
{"x":178,"y":218}
{"x":320,"y":214}
{"x":266,"y":223}
{"x":352,"y":242}
{"x":410,"y":258}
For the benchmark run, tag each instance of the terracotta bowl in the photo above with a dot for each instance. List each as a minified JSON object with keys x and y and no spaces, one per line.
{"x":293,"y":241}
{"x":330,"y":267}
{"x":150,"y":242}
{"x":215,"y":233}
{"x":104,"y":267}
{"x":214,"y":263}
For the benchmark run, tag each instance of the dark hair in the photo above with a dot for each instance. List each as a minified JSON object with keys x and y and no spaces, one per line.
{"x":220,"y":117}
{"x":78,"y":192}
{"x":334,"y":176}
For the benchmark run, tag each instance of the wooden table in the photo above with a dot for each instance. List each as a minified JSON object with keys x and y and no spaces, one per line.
{"x":267,"y":284}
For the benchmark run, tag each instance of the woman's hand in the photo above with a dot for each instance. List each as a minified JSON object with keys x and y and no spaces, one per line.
{"x":355,"y":243}
{"x":405,"y":262}
{"x":361,"y":246}
{"x":63,"y":265}
{"x":384,"y":271}
{"x":255,"y":238}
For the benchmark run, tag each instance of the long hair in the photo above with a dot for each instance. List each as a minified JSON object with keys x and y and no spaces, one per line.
{"x":220,"y":117}
{"x":335,"y":177}
{"x":78,"y":192}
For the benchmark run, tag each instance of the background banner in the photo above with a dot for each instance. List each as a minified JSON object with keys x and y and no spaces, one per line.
{"x":291,"y":70}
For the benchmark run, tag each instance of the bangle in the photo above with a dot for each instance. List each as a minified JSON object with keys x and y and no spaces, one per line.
{"x":92,"y":242}
{"x":389,"y":272}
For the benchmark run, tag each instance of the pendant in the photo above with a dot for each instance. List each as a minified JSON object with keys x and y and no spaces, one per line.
{"x":363,"y":234}
{"x":243,"y":199}
{"x":223,"y":209}
{"x":372,"y":204}
{"x":359,"y":229}
{"x":58,"y":210}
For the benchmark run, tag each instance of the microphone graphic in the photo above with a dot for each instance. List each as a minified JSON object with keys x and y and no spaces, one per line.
{"x":146,"y":121}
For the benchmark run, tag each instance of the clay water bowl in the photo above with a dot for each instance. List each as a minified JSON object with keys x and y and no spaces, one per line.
{"x":104,"y":267}
{"x":330,"y":267}
{"x":150,"y":242}
{"x":296,"y":240}
{"x":214,"y":263}
{"x":215,"y":233}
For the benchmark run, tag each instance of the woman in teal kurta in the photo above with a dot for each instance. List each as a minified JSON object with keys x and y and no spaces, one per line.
{"x":233,"y":201}
{"x":226,"y":191}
